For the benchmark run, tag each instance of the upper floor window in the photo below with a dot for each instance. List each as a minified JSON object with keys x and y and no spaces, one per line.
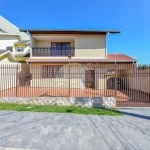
{"x":61,"y":48}
{"x":9,"y":48}
{"x":20,"y":49}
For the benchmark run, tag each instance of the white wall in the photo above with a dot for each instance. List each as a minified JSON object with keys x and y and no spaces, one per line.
{"x":6,"y":41}
{"x":8,"y":75}
{"x":33,"y":42}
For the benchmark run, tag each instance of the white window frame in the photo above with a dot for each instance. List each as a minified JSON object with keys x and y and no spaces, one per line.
{"x":19,"y":47}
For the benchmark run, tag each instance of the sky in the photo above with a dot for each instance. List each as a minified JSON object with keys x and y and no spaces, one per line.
{"x":132,"y":17}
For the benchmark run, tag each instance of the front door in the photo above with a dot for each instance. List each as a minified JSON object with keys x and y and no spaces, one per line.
{"x":90,"y":78}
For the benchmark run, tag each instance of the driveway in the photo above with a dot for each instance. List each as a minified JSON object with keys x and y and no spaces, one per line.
{"x":31,"y":130}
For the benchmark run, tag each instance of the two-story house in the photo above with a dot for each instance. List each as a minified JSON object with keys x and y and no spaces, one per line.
{"x":75,"y":56}
{"x":11,"y":39}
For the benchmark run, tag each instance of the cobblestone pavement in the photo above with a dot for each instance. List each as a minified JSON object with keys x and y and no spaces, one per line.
{"x":31,"y":130}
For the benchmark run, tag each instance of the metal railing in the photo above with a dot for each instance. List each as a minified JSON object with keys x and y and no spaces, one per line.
{"x":128,"y":83}
{"x":53,"y":51}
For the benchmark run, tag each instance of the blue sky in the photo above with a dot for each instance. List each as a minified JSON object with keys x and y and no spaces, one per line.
{"x":132,"y":17}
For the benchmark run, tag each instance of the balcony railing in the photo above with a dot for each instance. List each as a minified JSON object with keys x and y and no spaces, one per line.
{"x":56,"y":52}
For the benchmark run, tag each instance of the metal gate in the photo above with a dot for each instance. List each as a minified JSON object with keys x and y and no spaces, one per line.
{"x":133,"y":86}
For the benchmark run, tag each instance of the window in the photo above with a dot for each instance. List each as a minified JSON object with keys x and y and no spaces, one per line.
{"x":10,"y":48}
{"x":61,"y":49}
{"x":20,"y":49}
{"x":52,"y":71}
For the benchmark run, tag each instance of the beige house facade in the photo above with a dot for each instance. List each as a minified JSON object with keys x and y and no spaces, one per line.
{"x":72,"y":58}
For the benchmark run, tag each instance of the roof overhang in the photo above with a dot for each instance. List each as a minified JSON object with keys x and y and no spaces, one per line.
{"x":69,"y":31}
{"x":9,"y":54}
{"x":21,"y":42}
{"x":12,"y":34}
{"x":78,"y":60}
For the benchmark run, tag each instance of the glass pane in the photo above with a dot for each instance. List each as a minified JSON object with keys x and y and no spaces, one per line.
{"x":50,"y":71}
{"x":9,"y":48}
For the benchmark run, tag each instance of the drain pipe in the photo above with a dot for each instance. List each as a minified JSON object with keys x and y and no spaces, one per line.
{"x":30,"y":43}
{"x":137,"y":78}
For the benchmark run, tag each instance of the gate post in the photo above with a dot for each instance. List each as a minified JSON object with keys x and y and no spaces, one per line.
{"x":16,"y":80}
{"x":69,"y":78}
{"x":69,"y":57}
{"x":115,"y":79}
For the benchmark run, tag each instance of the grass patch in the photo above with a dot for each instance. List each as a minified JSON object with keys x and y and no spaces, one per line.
{"x":60,"y":109}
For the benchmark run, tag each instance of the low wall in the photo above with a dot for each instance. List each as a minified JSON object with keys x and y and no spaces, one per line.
{"x":108,"y":102}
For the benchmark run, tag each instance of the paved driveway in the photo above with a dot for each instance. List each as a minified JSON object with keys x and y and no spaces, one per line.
{"x":29,"y":130}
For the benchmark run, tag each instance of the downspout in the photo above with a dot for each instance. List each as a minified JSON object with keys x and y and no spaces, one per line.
{"x":106,"y":45}
{"x":137,"y":78}
{"x":30,"y":43}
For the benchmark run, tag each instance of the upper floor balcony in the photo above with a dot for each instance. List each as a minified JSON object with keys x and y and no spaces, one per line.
{"x":62,"y":45}
{"x":52,"y":52}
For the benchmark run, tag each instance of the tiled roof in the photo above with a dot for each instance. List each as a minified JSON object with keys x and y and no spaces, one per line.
{"x":110,"y":58}
{"x":119,"y":57}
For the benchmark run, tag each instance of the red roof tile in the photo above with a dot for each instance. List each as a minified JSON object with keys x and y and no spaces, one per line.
{"x":110,"y":58}
{"x":119,"y":57}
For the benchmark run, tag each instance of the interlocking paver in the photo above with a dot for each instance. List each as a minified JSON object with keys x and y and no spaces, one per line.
{"x":33,"y":130}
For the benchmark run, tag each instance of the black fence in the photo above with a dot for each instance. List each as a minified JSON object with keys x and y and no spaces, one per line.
{"x":130,"y":84}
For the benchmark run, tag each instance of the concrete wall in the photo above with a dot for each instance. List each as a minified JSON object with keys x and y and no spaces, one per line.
{"x":101,"y":78}
{"x":90,"y":45}
{"x":7,"y":76}
{"x":139,"y":81}
{"x":108,"y":102}
{"x":10,"y":76}
{"x":6,"y":41}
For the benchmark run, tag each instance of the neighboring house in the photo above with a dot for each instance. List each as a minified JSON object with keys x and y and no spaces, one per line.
{"x":49,"y":58}
{"x":22,"y":50}
{"x":14,"y":40}
{"x":6,"y":56}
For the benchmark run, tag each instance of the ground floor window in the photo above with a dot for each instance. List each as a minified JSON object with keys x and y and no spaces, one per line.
{"x":52,"y":71}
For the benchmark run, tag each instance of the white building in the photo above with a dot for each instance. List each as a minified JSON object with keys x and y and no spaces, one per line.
{"x":14,"y":40}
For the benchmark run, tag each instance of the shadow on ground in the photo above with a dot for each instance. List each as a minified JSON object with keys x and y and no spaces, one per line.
{"x":136,"y":115}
